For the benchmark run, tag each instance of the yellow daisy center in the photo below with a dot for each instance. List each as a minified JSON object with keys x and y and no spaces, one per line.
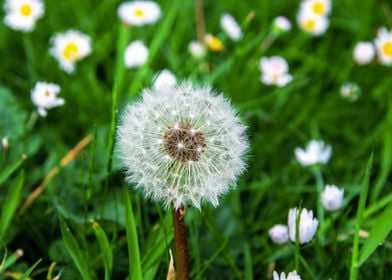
{"x":309,"y":24}
{"x":387,"y":48}
{"x":139,"y":12}
{"x":25,"y":10}
{"x":71,"y":51}
{"x":47,"y":93}
{"x":318,"y":8}
{"x":214,"y":44}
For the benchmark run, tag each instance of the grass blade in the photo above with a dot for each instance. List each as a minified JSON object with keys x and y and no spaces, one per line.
{"x":106,"y":250}
{"x":10,"y":169}
{"x":74,"y":251}
{"x":30,"y":270}
{"x":135,"y":269}
{"x":11,"y":203}
{"x":358,"y":222}
{"x":380,"y":230}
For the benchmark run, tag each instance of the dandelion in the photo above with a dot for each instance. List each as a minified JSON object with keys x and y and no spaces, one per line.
{"x":274,"y":71}
{"x":291,"y":276}
{"x":165,"y":78}
{"x":383,"y":44}
{"x":316,"y":152}
{"x":70,"y":47}
{"x":44,"y":96}
{"x":182,"y":144}
{"x":22,"y":15}
{"x":332,"y":197}
{"x":319,"y":8}
{"x":307,"y":225}
{"x":351,"y":91}
{"x":231,"y":27}
{"x":197,"y":49}
{"x":279,"y":234}
{"x":135,"y":54}
{"x":213,"y":43}
{"x":363,"y":53}
{"x":139,"y":13}
{"x":281,"y":25}
{"x":311,"y":23}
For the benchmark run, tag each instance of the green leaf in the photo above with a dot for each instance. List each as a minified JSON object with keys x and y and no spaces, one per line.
{"x":74,"y":251}
{"x":135,"y":268}
{"x":10,"y":169}
{"x":106,"y":250}
{"x":11,"y":203}
{"x":30,"y":270}
{"x":380,"y":230}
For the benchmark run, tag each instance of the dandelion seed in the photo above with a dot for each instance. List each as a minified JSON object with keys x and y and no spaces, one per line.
{"x":281,"y":25}
{"x":307,"y":225}
{"x":332,"y":197}
{"x":231,"y":27}
{"x":274,"y":71}
{"x":165,"y":78}
{"x":44,"y":96}
{"x":136,"y":54}
{"x":213,"y":43}
{"x":316,"y":152}
{"x":363,"y":53}
{"x":383,"y":44}
{"x":70,"y":47}
{"x":197,"y":49}
{"x":351,"y":91}
{"x":22,"y":15}
{"x":311,"y":23}
{"x":291,"y":276}
{"x":139,"y":13}
{"x":190,"y":168}
{"x":279,"y":234}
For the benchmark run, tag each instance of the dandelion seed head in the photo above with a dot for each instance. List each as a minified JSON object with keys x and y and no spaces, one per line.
{"x":197,"y":159}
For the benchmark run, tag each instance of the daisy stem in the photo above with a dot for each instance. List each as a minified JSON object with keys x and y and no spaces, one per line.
{"x":320,"y":210}
{"x":180,"y":241}
{"x":200,"y":23}
{"x":122,"y":40}
{"x":30,"y":56}
{"x":267,"y":42}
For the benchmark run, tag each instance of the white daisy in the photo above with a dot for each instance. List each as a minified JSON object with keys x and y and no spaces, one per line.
{"x":139,"y":12}
{"x":70,"y":47}
{"x":332,"y":197}
{"x":231,"y":27}
{"x":23,"y":14}
{"x":281,"y":25}
{"x":279,"y":234}
{"x":5,"y":143}
{"x":182,"y":145}
{"x":165,"y":78}
{"x":383,"y":44}
{"x":291,"y":276}
{"x":311,"y":23}
{"x":274,"y":71}
{"x":320,"y":8}
{"x":316,"y":152}
{"x":44,"y":96}
{"x":363,"y":53}
{"x":307,"y":225}
{"x":135,"y":54}
{"x":196,"y":49}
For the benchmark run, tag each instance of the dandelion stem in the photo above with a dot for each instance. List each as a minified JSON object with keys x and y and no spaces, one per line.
{"x":180,"y":241}
{"x":122,"y":40}
{"x":320,"y":210}
{"x":200,"y":24}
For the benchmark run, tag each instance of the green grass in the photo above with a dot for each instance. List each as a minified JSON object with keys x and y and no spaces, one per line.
{"x":92,"y":229}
